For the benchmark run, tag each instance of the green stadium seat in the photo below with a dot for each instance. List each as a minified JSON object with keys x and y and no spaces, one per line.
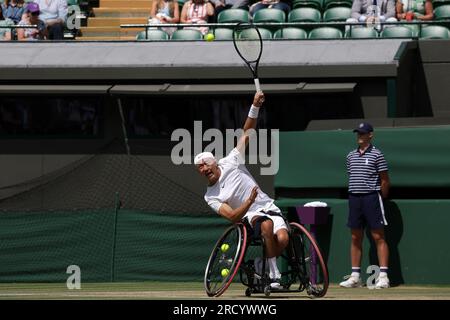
{"x":223,"y":34}
{"x":397,"y":32}
{"x":304,"y":15}
{"x":265,"y":33}
{"x":152,"y":35}
{"x":435,"y":32}
{"x":325,"y":33}
{"x":181,"y":3}
{"x":269,"y":15}
{"x":361,"y":33}
{"x":290,"y":33}
{"x":327,"y":4}
{"x":442,"y":12}
{"x":337,"y":14}
{"x":438,"y":3}
{"x":316,"y":4}
{"x":73,"y":2}
{"x":233,"y":16}
{"x":187,"y":34}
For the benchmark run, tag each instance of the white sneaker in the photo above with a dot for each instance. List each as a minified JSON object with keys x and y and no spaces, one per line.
{"x":382,"y":282}
{"x":351,"y":282}
{"x":275,"y":284}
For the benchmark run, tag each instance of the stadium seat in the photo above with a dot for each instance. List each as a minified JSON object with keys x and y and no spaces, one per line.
{"x":233,"y":16}
{"x":361,"y":33}
{"x":316,"y":4}
{"x":187,"y":34}
{"x":152,"y":35}
{"x":337,"y":14}
{"x":304,"y":15}
{"x":223,"y":34}
{"x":269,"y":15}
{"x":442,"y":12}
{"x":435,"y":32}
{"x":438,"y":3}
{"x":327,"y":4}
{"x":290,"y":33}
{"x":325,"y":33}
{"x":397,"y":32}
{"x":265,"y":33}
{"x":181,"y":4}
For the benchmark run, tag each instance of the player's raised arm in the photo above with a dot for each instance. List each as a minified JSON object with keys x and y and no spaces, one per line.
{"x":251,"y":121}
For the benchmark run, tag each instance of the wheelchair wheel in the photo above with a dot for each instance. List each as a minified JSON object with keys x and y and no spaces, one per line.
{"x":308,"y":260}
{"x":225,"y":260}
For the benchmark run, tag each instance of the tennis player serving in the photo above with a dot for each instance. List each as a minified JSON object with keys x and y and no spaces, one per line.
{"x":234,"y":194}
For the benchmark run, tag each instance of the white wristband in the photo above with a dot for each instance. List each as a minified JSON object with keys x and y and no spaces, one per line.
{"x":253,"y":113}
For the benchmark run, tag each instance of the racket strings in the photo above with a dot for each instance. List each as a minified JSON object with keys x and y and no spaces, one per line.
{"x":248,"y":43}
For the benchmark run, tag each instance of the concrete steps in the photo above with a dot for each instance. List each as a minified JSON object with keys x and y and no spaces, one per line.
{"x":122,"y":38}
{"x":105,"y":25}
{"x":125,"y":4}
{"x":121,"y":13}
{"x":108,"y":32}
{"x":108,"y":22}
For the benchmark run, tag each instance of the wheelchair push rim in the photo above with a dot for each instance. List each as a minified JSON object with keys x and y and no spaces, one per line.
{"x":216,"y":282}
{"x":309,"y":257}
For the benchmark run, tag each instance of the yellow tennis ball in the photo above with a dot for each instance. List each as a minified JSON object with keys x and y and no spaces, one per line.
{"x":225,"y":272}
{"x":224,"y":247}
{"x":209,"y":37}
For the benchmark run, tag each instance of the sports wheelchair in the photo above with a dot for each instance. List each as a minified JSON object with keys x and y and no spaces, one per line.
{"x":304,"y":266}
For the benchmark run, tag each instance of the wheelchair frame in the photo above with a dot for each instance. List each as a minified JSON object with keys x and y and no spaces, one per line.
{"x":216,"y":284}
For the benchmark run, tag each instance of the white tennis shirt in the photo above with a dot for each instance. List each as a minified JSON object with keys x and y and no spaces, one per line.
{"x":235,"y":185}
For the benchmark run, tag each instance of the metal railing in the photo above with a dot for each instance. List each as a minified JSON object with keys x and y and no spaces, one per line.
{"x":378,"y":26}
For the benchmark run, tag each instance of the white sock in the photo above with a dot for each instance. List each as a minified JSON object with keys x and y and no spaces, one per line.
{"x":274,"y":272}
{"x":383,"y":274}
{"x":355,"y":275}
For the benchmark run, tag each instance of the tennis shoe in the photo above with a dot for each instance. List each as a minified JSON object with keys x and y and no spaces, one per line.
{"x":382,"y":282}
{"x":351,"y":282}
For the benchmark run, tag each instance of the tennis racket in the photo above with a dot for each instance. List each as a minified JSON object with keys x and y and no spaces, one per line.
{"x":248,"y":43}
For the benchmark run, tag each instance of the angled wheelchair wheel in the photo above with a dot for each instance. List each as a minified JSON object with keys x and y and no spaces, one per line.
{"x":308,"y":262}
{"x":225,"y":260}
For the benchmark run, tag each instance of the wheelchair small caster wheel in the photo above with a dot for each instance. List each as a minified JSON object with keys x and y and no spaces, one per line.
{"x":267,"y":291}
{"x":248,"y":292}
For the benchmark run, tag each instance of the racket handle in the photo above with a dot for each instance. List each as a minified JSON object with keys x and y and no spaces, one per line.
{"x":258,"y":87}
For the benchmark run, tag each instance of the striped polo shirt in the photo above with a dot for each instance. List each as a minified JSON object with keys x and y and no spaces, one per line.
{"x":363,"y":170}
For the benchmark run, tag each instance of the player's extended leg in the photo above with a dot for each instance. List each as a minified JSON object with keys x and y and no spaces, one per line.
{"x":355,"y":252}
{"x":275,"y":243}
{"x":383,"y":257}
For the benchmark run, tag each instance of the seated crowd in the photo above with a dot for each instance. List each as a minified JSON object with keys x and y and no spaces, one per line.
{"x":50,"y":15}
{"x":204,"y":11}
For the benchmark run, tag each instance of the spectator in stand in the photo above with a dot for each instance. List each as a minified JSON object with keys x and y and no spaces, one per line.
{"x":13,"y":9}
{"x":415,"y":10}
{"x":5,"y":33}
{"x":31,"y":17}
{"x":372,"y":12}
{"x":220,"y":5}
{"x":165,"y":11}
{"x":54,"y":14}
{"x":197,"y":11}
{"x":276,"y":4}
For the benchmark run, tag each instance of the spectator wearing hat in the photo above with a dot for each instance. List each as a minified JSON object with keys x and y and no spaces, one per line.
{"x":54,"y":14}
{"x":368,"y":184}
{"x":31,"y":17}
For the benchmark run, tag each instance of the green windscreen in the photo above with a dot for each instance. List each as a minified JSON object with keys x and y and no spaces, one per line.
{"x":417,"y":157}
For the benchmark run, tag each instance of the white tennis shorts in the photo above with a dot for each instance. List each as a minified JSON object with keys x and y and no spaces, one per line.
{"x":278,"y":222}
